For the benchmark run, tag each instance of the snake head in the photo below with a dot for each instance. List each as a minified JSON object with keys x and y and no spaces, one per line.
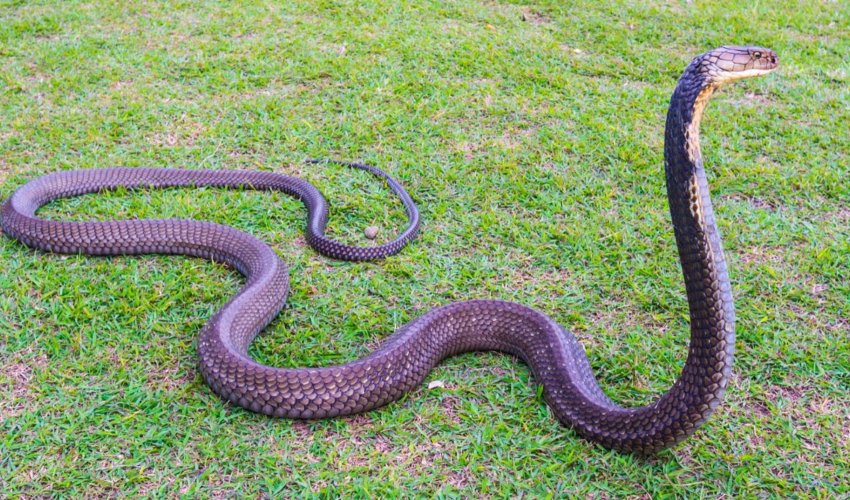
{"x":729,"y":63}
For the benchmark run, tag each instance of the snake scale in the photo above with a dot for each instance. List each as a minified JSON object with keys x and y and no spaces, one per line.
{"x":556,"y":359}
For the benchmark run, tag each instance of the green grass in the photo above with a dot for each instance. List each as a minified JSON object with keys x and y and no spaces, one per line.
{"x":529,"y":135}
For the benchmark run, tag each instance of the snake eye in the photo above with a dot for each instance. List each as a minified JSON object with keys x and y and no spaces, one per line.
{"x":757,"y":55}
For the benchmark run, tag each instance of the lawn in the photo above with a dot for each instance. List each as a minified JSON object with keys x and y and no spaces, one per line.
{"x":530,"y":135}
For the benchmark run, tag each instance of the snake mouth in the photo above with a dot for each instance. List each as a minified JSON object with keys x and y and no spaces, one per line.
{"x":749,"y":73}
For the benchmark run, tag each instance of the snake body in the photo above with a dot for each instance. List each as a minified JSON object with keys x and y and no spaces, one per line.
{"x":556,"y":359}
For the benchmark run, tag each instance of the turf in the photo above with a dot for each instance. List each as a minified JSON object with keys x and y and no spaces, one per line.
{"x":529,"y":135}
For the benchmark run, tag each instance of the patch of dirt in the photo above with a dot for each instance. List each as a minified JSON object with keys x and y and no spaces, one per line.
{"x":756,"y":202}
{"x":512,"y":139}
{"x":358,"y":423}
{"x":756,"y":441}
{"x":184,"y":135}
{"x":16,"y":383}
{"x":760,"y":255}
{"x":534,"y":17}
{"x":751,"y":99}
{"x":302,"y":429}
{"x":840,"y":325}
{"x":5,"y":170}
{"x":760,"y":408}
{"x":169,"y":378}
{"x":449,"y":405}
{"x":272,"y":90}
{"x":383,"y":444}
{"x":120,"y":84}
{"x":533,"y":283}
{"x":842,"y":215}
{"x":791,"y":394}
{"x":468,"y":149}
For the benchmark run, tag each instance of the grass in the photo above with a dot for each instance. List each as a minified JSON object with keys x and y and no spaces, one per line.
{"x":530,"y":135}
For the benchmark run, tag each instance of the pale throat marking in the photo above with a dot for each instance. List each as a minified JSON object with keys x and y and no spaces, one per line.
{"x":693,"y":150}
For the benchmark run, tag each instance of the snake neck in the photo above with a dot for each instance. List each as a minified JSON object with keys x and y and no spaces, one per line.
{"x":691,"y":211}
{"x":682,"y":155}
{"x":709,"y":295}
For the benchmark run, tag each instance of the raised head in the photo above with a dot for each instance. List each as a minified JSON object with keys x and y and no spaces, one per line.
{"x":728,"y":63}
{"x":703,"y":76}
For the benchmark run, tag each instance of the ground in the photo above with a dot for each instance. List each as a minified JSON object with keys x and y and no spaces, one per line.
{"x":530,"y":135}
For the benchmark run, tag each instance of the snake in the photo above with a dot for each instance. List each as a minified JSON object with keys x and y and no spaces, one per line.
{"x":556,"y":359}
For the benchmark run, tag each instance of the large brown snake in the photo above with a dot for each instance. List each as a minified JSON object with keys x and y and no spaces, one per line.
{"x":556,"y":359}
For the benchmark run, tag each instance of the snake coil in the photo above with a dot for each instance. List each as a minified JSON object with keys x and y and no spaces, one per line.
{"x":556,"y":359}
